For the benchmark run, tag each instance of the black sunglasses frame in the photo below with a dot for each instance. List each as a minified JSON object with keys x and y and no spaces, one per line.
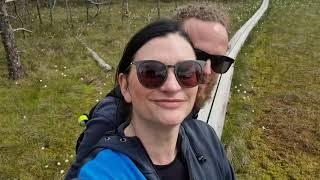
{"x":219,"y":63}
{"x":166,"y":68}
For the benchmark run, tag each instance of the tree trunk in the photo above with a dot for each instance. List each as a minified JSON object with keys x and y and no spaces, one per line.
{"x":7,"y":34}
{"x":38,"y":10}
{"x":158,"y":8}
{"x":68,"y":13}
{"x":51,"y":6}
{"x":87,"y":8}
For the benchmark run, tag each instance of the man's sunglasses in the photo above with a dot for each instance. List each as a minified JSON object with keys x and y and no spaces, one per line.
{"x":152,"y":74}
{"x":219,"y":64}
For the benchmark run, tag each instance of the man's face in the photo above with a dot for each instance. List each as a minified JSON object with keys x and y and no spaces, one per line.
{"x":212,"y":38}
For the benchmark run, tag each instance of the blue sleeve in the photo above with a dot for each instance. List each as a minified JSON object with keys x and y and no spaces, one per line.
{"x":109,"y":164}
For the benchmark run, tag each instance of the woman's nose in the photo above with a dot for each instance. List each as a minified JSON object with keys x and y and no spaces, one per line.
{"x":171,"y":84}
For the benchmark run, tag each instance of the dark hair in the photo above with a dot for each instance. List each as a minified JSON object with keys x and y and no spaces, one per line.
{"x":155,"y":29}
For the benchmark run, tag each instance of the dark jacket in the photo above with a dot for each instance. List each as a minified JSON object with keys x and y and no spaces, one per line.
{"x":201,"y":149}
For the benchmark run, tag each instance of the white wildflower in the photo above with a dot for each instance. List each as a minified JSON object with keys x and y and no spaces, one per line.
{"x":42,"y":148}
{"x":67,"y":160}
{"x":61,"y":171}
{"x":46,"y":166}
{"x":58,"y":163}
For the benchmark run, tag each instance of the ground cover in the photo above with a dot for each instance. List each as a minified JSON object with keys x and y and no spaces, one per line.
{"x":39,"y":113}
{"x":272,"y":128}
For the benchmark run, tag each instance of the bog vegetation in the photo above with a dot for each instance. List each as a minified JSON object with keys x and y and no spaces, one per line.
{"x":39,"y":111}
{"x":272,"y":128}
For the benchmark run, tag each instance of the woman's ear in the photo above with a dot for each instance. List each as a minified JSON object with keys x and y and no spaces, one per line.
{"x":123,"y":82}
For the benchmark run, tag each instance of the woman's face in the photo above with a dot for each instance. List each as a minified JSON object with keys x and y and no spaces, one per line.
{"x":169,"y":104}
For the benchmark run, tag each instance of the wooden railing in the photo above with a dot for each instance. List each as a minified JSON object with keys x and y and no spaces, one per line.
{"x":215,"y":110}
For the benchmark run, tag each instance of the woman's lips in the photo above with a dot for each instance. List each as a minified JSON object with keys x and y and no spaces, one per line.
{"x":169,"y":103}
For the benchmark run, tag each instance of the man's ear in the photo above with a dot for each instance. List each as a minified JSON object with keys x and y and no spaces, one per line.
{"x":124,"y":87}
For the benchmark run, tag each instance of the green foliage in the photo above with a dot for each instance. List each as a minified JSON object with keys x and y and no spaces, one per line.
{"x":273,"y":133}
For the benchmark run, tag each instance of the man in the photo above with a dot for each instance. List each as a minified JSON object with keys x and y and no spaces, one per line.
{"x":207,"y":29}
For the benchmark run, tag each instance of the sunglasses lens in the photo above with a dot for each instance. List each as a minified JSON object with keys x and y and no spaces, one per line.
{"x":201,"y":55}
{"x":152,"y":74}
{"x":220,"y":64}
{"x":188,"y":73}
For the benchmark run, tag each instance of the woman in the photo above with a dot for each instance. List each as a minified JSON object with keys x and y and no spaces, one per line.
{"x":158,"y":77}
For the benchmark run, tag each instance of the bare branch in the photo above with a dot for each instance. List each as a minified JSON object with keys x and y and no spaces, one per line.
{"x":22,"y":29}
{"x":95,"y":56}
{"x":13,"y":17}
{"x":96,"y":3}
{"x":54,"y":4}
{"x":6,"y":1}
{"x":98,"y":11}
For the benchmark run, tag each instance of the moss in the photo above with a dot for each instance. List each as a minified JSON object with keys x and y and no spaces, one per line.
{"x":277,"y":127}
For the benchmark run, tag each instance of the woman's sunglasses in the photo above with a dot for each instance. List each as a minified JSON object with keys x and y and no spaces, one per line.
{"x":219,"y":64}
{"x":152,"y":74}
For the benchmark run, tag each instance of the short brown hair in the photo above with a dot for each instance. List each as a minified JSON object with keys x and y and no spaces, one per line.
{"x":204,"y":11}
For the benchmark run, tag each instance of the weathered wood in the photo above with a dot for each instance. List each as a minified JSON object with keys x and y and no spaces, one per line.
{"x":7,"y":34}
{"x":22,"y":29}
{"x":95,"y":56}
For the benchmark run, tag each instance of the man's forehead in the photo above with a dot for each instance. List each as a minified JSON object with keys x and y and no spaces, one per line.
{"x":208,"y":36}
{"x":195,"y":25}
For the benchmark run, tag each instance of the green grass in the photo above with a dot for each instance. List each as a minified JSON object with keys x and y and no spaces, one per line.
{"x":41,"y":110}
{"x":274,"y":132}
